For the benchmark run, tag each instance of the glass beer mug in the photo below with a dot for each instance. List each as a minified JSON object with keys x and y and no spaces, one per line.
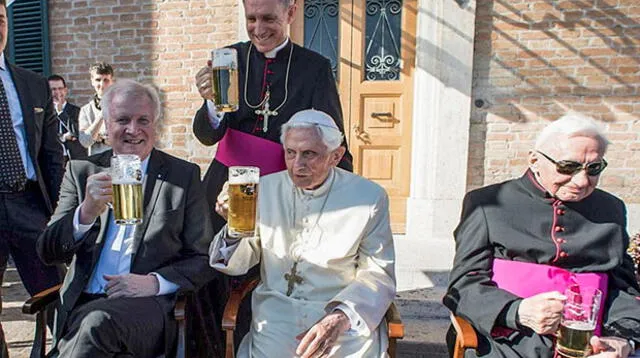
{"x":126,"y":179}
{"x":579,"y":318}
{"x":224,"y":79}
{"x":243,"y":198}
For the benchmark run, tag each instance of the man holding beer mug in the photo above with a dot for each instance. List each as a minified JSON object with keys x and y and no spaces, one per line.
{"x":275,"y":78}
{"x":119,"y":292}
{"x":325,"y":249}
{"x":523,"y":245}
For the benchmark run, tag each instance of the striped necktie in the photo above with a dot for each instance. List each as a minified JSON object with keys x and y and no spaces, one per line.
{"x":12,"y":174}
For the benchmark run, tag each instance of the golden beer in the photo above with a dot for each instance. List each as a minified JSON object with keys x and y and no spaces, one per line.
{"x":573,"y":339}
{"x":126,"y":180}
{"x":127,"y":203}
{"x":224,"y":79}
{"x":243,"y":200}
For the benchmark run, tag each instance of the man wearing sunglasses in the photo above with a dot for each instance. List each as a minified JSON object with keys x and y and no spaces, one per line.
{"x":521,"y":244}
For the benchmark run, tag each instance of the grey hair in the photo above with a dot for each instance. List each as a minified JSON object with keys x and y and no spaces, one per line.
{"x":573,"y":124}
{"x":331,"y":137}
{"x":133,"y":90}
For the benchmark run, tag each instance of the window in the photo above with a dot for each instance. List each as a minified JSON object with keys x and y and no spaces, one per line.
{"x":28,"y":43}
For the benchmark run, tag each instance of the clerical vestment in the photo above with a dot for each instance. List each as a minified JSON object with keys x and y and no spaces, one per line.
{"x":519,"y":221}
{"x":297,"y":79}
{"x":317,"y":250}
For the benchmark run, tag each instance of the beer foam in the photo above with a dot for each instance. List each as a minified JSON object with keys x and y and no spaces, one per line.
{"x":125,"y":182}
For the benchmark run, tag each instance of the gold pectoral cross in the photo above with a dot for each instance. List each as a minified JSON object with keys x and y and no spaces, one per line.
{"x":292,"y":278}
{"x":266,"y":112}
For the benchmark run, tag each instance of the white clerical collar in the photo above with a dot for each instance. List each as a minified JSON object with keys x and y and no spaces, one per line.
{"x":322,"y":189}
{"x":274,"y":52}
{"x":61,"y":110}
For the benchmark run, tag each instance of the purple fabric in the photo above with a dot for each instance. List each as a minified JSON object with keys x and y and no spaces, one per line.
{"x":525,"y":279}
{"x":239,"y":148}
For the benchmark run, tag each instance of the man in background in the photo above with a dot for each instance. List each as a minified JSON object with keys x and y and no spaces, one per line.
{"x":93,"y":134}
{"x":68,"y":119}
{"x":30,"y":168}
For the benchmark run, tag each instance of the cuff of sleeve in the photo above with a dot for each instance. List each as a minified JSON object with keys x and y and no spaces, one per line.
{"x":358,"y":327}
{"x":509,"y":316}
{"x":165,"y":287}
{"x":214,"y":116}
{"x":79,"y":230}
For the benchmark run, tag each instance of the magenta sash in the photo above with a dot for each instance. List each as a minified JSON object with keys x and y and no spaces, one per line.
{"x":239,"y":148}
{"x":525,"y":279}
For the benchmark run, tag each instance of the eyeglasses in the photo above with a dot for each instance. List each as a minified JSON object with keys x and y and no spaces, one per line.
{"x":569,"y":167}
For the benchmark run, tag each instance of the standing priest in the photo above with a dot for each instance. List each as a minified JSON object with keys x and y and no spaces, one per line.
{"x":277,"y":79}
{"x":325,"y":251}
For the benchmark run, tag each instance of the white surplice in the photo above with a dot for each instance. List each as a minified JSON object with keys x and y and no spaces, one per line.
{"x":344,"y":254}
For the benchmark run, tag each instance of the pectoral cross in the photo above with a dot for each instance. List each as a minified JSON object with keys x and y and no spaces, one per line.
{"x":265,"y":112}
{"x":292,"y":278}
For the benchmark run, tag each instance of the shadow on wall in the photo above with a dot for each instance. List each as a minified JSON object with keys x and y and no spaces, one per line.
{"x":535,"y":62}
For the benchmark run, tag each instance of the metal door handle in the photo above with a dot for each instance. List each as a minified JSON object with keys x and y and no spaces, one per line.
{"x":381,"y":114}
{"x":362,"y":135}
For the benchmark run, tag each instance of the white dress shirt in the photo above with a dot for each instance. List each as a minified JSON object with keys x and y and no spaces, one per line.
{"x":16,"y":118}
{"x":115,"y":257}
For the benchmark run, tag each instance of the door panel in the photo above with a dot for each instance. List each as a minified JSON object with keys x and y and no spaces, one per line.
{"x":374,"y":67}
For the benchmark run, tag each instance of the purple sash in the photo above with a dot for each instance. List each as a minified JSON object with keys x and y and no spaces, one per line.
{"x":525,"y":279}
{"x":239,"y":148}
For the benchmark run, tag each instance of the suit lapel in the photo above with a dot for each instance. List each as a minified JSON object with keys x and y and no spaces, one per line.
{"x":156,"y":174}
{"x":30,"y":126}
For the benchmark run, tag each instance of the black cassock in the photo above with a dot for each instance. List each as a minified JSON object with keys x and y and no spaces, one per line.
{"x":518,"y":220}
{"x":311,"y":85}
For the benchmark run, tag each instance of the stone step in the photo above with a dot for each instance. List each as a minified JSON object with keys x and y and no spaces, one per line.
{"x":423,"y":304}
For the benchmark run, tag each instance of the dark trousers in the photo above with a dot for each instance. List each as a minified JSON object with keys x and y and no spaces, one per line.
{"x":122,"y":327}
{"x":22,"y":219}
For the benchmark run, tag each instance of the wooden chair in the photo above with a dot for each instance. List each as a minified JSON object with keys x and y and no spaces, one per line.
{"x":229,"y":319}
{"x":39,"y":303}
{"x":466,"y":337}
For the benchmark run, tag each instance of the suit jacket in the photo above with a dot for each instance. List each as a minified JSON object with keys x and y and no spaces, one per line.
{"x":172,"y":240}
{"x":41,"y":126}
{"x":69,"y":118}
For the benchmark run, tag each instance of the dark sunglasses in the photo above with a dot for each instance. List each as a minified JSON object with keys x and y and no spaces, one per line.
{"x":569,"y":167}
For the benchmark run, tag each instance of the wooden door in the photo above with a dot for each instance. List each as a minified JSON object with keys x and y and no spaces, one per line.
{"x":372,"y":46}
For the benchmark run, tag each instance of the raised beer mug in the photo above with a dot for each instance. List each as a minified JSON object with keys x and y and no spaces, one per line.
{"x":578,"y":322}
{"x":126,"y":179}
{"x":224,"y":79}
{"x":243,"y":198}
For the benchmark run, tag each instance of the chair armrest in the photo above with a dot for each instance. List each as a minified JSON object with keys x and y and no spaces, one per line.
{"x":180,"y":309}
{"x":41,"y":300}
{"x":394,"y":322}
{"x":466,"y":337}
{"x":236,"y":296}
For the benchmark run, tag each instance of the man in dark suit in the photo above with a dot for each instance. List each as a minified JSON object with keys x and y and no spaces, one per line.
{"x":68,"y":117}
{"x":30,"y":167}
{"x":118,"y":295}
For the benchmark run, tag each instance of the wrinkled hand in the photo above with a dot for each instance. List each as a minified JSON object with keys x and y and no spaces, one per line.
{"x":319,"y":339}
{"x":131,"y":285}
{"x":542,"y":313}
{"x":203,"y":82}
{"x":98,"y":193}
{"x":222,"y":202}
{"x":610,"y":347}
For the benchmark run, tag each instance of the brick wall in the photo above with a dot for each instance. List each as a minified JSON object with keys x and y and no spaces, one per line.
{"x":533,"y":61}
{"x":163,"y":42}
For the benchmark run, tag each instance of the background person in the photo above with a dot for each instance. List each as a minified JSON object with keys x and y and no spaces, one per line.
{"x":93,"y":134}
{"x":68,"y":119}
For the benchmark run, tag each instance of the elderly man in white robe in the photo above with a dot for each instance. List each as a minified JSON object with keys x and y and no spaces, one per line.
{"x":324,"y":243}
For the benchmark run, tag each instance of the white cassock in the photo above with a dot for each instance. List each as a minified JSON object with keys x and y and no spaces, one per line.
{"x":340,"y":237}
